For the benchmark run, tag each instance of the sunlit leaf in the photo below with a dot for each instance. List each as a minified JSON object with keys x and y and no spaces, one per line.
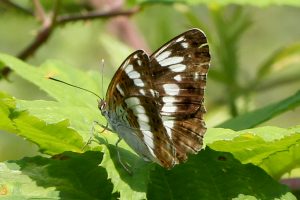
{"x":274,"y":149}
{"x":51,"y":138}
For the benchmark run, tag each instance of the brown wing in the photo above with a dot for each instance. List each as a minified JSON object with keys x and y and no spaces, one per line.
{"x":134,"y":114}
{"x":179,"y":70}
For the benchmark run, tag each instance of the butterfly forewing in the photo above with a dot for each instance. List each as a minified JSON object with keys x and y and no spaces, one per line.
{"x":180,"y":68}
{"x":156,"y":104}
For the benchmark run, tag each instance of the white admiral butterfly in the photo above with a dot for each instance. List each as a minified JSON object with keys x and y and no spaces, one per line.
{"x":155,"y":103}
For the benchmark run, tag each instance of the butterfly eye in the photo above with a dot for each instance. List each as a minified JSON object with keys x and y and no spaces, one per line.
{"x":102,"y":105}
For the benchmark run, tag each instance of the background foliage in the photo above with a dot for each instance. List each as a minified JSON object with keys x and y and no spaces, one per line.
{"x":252,"y":98}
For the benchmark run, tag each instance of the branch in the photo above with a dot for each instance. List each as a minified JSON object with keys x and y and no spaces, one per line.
{"x":94,"y":15}
{"x":48,"y":24}
{"x":41,"y":38}
{"x":46,"y":31}
{"x":39,"y":11}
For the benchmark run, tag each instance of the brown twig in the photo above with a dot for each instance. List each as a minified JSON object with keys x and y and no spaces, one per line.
{"x":45,"y":32}
{"x":39,"y":11}
{"x":41,"y":38}
{"x":94,"y":15}
{"x":47,"y":29}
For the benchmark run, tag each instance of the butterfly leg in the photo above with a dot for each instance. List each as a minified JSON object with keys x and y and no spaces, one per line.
{"x":93,"y":131}
{"x":124,"y":165}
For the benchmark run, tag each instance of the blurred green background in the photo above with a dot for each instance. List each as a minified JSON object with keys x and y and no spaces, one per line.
{"x":242,"y":39}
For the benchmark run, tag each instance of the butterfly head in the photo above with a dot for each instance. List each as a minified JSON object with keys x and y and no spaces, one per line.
{"x":102,"y":106}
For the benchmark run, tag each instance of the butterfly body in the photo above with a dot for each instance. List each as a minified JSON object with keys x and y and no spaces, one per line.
{"x":121,"y":126}
{"x":155,"y":103}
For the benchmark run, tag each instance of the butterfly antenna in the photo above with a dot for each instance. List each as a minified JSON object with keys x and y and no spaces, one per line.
{"x":54,"y":79}
{"x":102,"y":69}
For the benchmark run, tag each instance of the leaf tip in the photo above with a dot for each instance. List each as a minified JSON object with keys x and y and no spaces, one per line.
{"x":49,"y":75}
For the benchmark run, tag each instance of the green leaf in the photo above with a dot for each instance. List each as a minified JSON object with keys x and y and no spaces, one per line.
{"x":274,"y":149}
{"x":81,"y":118}
{"x":68,"y":176}
{"x":214,"y":175}
{"x":78,"y":106}
{"x":251,"y":119}
{"x":51,"y":138}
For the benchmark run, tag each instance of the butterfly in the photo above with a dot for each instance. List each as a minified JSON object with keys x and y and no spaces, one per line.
{"x":156,"y":103}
